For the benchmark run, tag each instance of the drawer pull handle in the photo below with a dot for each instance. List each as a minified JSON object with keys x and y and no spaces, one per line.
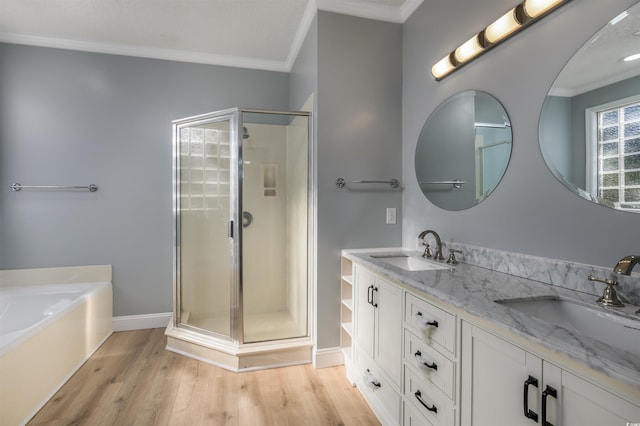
{"x":368,"y":377}
{"x":549,"y":391}
{"x":431,"y":323}
{"x":418,"y":356}
{"x":528,"y":413}
{"x":418,"y":396}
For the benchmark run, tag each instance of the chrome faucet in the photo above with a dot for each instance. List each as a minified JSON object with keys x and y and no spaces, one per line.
{"x":427,"y":252}
{"x":610,"y":295}
{"x":626,"y":264}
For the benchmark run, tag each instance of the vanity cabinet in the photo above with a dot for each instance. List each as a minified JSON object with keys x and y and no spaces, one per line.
{"x":378,"y":343}
{"x":503,"y":384}
{"x":429,"y":361}
{"x":419,"y":361}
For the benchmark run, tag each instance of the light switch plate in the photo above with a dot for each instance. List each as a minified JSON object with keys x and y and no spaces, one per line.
{"x":391,"y":215}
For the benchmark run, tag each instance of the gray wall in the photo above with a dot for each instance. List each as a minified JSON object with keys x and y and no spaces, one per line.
{"x":78,"y":118}
{"x":303,"y":78}
{"x":530,"y":212}
{"x":555,"y":131}
{"x":359,"y":131}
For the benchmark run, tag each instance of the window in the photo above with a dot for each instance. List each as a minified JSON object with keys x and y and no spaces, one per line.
{"x":616,"y":153}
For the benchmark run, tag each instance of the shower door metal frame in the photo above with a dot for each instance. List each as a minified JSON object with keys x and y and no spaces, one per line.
{"x":234,"y":116}
{"x":230,"y":115}
{"x":238,"y":219}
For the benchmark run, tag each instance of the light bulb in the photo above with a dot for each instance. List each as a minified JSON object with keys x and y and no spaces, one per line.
{"x":502,"y":27}
{"x":469,"y":49}
{"x":630,"y":58}
{"x":442,"y":67}
{"x":535,"y":8}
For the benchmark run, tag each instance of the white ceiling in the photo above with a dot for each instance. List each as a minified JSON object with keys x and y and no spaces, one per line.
{"x":263,"y":34}
{"x":599,"y":62}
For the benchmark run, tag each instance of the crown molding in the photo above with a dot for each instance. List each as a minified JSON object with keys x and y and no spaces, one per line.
{"x":380,"y":12}
{"x":301,"y":33}
{"x":361,"y":9}
{"x":145,"y":52}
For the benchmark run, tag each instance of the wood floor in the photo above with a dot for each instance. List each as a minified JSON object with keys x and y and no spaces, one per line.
{"x":133,"y":380}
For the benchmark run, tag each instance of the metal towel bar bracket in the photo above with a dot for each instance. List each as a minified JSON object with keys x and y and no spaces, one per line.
{"x":17,"y":187}
{"x":341,"y":183}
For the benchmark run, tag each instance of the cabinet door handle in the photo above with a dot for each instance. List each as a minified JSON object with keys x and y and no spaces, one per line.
{"x":418,"y":396}
{"x":549,"y":391}
{"x":418,"y":356}
{"x":370,"y":295}
{"x":528,"y":413}
{"x":373,"y":297}
{"x":431,"y":323}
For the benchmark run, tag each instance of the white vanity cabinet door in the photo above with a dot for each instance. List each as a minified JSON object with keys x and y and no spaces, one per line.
{"x":364,"y":311}
{"x":378,"y":343}
{"x":493,"y":377}
{"x":580,"y":403}
{"x":388,"y":339}
{"x":493,"y":374}
{"x":378,"y":322}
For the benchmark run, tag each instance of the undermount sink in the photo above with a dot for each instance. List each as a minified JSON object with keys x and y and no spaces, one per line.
{"x":409,"y":263}
{"x":609,"y":328}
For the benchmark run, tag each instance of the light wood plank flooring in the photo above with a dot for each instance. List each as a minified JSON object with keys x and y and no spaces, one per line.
{"x":133,"y":380}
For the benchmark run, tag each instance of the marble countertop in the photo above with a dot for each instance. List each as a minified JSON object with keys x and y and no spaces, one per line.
{"x":475,"y":290}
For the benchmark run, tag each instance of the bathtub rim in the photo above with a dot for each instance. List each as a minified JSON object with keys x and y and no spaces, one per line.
{"x":25,"y":334}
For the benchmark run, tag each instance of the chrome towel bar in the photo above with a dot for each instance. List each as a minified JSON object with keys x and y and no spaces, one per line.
{"x":457,"y":183}
{"x":341,"y":183}
{"x":17,"y":187}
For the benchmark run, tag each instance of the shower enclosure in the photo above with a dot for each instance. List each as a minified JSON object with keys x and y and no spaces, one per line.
{"x":241,"y":231}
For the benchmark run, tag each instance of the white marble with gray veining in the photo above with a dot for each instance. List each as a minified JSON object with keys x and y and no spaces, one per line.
{"x":475,"y":289}
{"x":551,"y":271}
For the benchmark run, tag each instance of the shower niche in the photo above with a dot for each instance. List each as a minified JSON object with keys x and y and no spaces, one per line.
{"x":241,"y":203}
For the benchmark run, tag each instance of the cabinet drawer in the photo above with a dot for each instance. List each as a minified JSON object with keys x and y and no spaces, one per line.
{"x":431,"y":323}
{"x":429,"y":364}
{"x":429,"y":401}
{"x":412,"y":416}
{"x":377,"y":390}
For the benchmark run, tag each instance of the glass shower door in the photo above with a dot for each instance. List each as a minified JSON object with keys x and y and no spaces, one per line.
{"x":205,"y":159}
{"x":275,"y":158}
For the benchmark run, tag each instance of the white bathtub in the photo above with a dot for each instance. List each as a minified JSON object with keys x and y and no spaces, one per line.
{"x":47,"y":331}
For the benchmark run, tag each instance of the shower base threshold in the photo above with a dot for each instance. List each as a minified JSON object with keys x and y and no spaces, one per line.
{"x":246,"y":357}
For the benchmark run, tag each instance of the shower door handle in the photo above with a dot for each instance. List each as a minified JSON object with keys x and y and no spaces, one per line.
{"x":247,"y":219}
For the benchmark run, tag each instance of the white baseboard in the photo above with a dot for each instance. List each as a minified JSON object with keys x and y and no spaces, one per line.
{"x":140,"y":322}
{"x":330,"y":357}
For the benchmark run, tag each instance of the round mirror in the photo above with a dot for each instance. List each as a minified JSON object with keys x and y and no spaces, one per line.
{"x":463,"y":150}
{"x":590,"y":122}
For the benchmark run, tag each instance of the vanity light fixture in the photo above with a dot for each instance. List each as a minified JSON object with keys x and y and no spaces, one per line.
{"x":632,"y":58}
{"x":521,"y":16}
